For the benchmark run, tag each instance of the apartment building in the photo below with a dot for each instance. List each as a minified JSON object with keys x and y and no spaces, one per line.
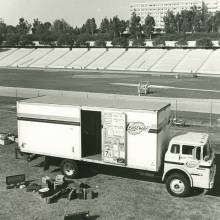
{"x":159,"y":8}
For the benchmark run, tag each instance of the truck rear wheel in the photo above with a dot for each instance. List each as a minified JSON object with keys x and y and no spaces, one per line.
{"x":69,"y":168}
{"x":178,"y":185}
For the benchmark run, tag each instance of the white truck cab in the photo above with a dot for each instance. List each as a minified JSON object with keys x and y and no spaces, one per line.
{"x":189,"y":162}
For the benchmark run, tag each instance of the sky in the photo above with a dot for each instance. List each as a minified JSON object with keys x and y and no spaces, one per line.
{"x":75,"y":12}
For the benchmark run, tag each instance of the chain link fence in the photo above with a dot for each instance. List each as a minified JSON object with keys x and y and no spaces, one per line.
{"x":195,"y":112}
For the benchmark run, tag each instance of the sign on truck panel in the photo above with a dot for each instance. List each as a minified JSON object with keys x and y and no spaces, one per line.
{"x":114,"y":140}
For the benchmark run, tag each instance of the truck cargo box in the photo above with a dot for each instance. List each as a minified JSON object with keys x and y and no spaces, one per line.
{"x":123,"y":131}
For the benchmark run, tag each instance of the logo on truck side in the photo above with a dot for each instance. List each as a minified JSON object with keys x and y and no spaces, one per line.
{"x":135,"y":128}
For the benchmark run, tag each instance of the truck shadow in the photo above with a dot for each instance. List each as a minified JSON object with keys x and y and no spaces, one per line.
{"x":122,"y":172}
{"x":89,"y":170}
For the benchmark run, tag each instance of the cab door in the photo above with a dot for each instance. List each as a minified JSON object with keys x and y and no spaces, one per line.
{"x":191,"y":157}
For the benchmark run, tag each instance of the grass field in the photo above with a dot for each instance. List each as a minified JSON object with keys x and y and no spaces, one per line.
{"x":104,"y":82}
{"x":123,"y":194}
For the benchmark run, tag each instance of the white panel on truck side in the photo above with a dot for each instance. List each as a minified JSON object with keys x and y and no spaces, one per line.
{"x":48,"y":110}
{"x":164,"y":134}
{"x":59,"y":140}
{"x":49,"y":129}
{"x":142,"y":140}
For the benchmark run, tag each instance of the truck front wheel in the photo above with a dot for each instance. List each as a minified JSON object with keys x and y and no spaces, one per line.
{"x":69,"y":168}
{"x":178,"y":185}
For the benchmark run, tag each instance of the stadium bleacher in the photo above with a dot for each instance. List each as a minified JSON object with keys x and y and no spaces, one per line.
{"x":107,"y":58}
{"x":149,"y":58}
{"x":204,"y":61}
{"x":68,"y":58}
{"x":212,"y":64}
{"x":168,"y":62}
{"x":193,"y":61}
{"x":15,"y":56}
{"x":6,"y":52}
{"x":126,"y":59}
{"x":51,"y":57}
{"x":87,"y":58}
{"x":33,"y":57}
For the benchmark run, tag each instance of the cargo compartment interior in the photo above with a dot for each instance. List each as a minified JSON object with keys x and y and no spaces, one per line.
{"x":91,"y":131}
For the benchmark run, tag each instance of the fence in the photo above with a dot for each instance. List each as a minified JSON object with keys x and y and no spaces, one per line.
{"x":195,"y":111}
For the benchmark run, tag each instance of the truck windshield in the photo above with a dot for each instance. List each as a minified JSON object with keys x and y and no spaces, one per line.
{"x":207,"y":152}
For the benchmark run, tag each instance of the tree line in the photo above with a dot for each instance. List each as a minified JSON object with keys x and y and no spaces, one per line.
{"x":195,"y":22}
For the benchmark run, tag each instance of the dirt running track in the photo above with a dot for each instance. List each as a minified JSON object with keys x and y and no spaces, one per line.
{"x":182,"y":104}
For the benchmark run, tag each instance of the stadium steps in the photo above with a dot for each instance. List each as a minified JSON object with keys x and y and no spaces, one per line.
{"x":96,"y":59}
{"x":15,"y":64}
{"x":169,"y":60}
{"x":13,"y":57}
{"x":25,"y":61}
{"x":50,"y":57}
{"x":122,"y":62}
{"x":115,"y":60}
{"x":192,"y":61}
{"x":47,"y":51}
{"x":180,"y":60}
{"x":147,"y":59}
{"x":87,"y":58}
{"x":212,"y":64}
{"x":127,"y":67}
{"x":76,"y":59}
{"x":62,"y":55}
{"x":68,"y":58}
{"x":203,"y":63}
{"x":4,"y":54}
{"x":160,"y":57}
{"x":106,"y":59}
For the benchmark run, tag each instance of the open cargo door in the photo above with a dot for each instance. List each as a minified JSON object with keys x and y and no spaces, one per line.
{"x":114,"y":138}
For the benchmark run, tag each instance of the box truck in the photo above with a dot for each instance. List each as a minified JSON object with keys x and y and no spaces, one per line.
{"x":120,"y":131}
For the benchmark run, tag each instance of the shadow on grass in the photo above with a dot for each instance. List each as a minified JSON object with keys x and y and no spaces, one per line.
{"x":89,"y":170}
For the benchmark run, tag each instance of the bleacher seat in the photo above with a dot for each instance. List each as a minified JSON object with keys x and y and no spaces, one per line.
{"x":33,"y":57}
{"x":15,"y":56}
{"x":106,"y":59}
{"x":170,"y":60}
{"x":6,"y":52}
{"x":68,"y":58}
{"x":50,"y":57}
{"x":126,"y":59}
{"x":149,"y":58}
{"x":87,"y":58}
{"x":212,"y":64}
{"x":193,"y":61}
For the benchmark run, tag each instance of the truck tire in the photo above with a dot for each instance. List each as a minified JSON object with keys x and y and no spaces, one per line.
{"x":69,"y":168}
{"x":178,"y":185}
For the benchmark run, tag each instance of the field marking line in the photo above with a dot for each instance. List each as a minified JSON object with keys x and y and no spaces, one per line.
{"x":167,"y":87}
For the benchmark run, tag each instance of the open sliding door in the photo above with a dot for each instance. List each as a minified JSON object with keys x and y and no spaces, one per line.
{"x":114,"y":138}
